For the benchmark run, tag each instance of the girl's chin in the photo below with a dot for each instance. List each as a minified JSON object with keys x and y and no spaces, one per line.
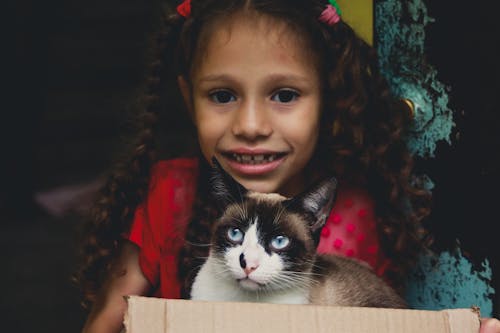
{"x":261,"y":186}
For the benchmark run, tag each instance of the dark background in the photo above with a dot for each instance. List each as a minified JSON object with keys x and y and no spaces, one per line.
{"x":464,"y":48}
{"x":71,"y":73}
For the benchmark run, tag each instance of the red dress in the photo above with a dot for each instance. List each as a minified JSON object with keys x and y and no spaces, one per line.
{"x":159,"y":225}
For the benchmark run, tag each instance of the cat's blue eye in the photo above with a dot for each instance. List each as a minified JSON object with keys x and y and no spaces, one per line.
{"x":280,"y":242}
{"x":222,"y":96}
{"x":235,"y":235}
{"x":285,"y":96}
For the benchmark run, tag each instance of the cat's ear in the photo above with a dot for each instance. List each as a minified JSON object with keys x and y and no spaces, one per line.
{"x":317,"y":201}
{"x":225,"y":189}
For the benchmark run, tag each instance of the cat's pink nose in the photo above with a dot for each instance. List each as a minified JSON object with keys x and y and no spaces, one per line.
{"x":250,"y":269}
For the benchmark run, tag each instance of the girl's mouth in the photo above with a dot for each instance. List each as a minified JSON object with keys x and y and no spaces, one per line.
{"x":254,"y":164}
{"x":254,"y":159}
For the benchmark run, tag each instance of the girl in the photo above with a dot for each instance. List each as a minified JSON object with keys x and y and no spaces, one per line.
{"x":281,"y":93}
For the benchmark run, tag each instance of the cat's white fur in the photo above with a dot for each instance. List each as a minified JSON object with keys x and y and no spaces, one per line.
{"x":213,"y":283}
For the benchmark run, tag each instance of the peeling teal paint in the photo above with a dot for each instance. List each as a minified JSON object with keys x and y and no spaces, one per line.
{"x":400,"y":37}
{"x":449,"y":280}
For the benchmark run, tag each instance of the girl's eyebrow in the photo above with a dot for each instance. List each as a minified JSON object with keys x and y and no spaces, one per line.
{"x":272,"y":77}
{"x":277,"y":77}
{"x":216,"y":77}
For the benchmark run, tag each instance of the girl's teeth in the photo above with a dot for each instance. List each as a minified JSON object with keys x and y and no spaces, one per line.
{"x":254,"y":159}
{"x":246,"y":158}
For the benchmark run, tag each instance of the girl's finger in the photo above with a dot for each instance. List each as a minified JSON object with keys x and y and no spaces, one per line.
{"x":489,"y":325}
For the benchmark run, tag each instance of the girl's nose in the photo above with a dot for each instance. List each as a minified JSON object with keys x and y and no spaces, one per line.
{"x":252,"y":121}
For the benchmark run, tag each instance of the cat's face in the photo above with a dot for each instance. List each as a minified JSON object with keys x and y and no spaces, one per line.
{"x":266,"y":241}
{"x":262,"y":245}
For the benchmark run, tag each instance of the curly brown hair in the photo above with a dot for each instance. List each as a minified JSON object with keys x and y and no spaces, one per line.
{"x":362,"y":139}
{"x":128,"y":181}
{"x":112,"y":214}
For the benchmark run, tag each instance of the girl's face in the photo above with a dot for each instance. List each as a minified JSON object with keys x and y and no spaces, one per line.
{"x":256,"y":103}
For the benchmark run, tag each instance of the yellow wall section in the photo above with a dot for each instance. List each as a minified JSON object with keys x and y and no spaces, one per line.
{"x":359,"y":15}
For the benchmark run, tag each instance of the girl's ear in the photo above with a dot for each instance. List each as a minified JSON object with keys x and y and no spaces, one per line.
{"x":186,"y":93}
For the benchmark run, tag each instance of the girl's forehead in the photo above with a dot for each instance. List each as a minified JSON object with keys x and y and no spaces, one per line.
{"x":248,"y":30}
{"x":263,"y":27}
{"x":259,"y":23}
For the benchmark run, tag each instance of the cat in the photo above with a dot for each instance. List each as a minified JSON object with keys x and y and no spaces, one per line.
{"x":263,"y":249}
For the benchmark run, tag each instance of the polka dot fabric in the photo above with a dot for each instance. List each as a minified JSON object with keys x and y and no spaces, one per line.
{"x":350,"y":229}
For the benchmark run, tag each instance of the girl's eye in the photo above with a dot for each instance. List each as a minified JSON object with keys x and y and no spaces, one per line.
{"x":285,"y":96}
{"x":222,"y":96}
{"x":235,"y":235}
{"x":280,"y":242}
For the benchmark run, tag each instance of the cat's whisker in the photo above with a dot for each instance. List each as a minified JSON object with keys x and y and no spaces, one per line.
{"x":283,"y":285}
{"x":316,"y":265}
{"x":236,"y":219}
{"x":244,"y":211}
{"x":241,"y":210}
{"x":294,"y":278}
{"x":222,"y":273}
{"x":307,"y":273}
{"x":277,"y":216}
{"x":288,"y":279}
{"x":195,"y":269}
{"x":222,"y":268}
{"x":283,"y":279}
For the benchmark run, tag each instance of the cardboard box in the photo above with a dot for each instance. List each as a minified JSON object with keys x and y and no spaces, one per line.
{"x":154,"y":315}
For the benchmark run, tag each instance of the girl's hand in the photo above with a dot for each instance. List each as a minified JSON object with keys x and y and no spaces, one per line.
{"x":489,"y":325}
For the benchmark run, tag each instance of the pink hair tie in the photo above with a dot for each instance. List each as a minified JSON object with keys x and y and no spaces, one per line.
{"x":329,"y":15}
{"x":184,"y":9}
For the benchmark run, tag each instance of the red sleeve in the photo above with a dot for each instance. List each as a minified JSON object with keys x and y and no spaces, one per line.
{"x":350,"y":230}
{"x":159,"y":223}
{"x":135,"y":234}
